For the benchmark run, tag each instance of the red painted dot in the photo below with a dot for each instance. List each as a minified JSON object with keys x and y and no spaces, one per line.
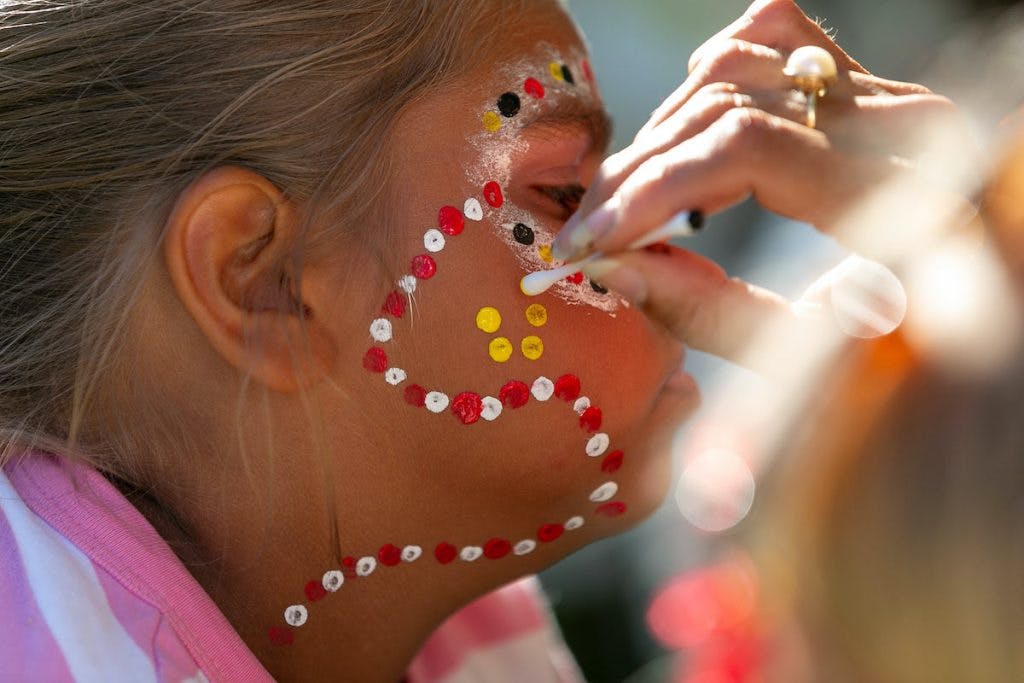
{"x":348,"y":567}
{"x":567,"y":387}
{"x":445,"y":552}
{"x":659,"y":248}
{"x":497,"y":548}
{"x":375,"y":360}
{"x":450,"y":220}
{"x":280,"y":635}
{"x":415,"y":395}
{"x":315,"y":590}
{"x":493,"y":195}
{"x":575,"y":278}
{"x":395,"y":304}
{"x":549,"y":532}
{"x":515,"y":394}
{"x":424,"y":267}
{"x":590,"y":420}
{"x":612,"y":509}
{"x":467,"y":407}
{"x":612,"y":462}
{"x":533,"y":88}
{"x":389,"y":555}
{"x":588,"y":73}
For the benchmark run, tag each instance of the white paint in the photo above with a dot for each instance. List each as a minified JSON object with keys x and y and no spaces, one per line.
{"x":472,"y":209}
{"x":471,"y":553}
{"x":436,"y":402}
{"x":524,"y":547}
{"x":573,"y":523}
{"x":380,"y":329}
{"x":394,"y":376}
{"x":407,"y":283}
{"x":433,"y":240}
{"x":333,"y":580}
{"x":492,"y":408}
{"x":411,"y":553}
{"x":365,"y":566}
{"x":581,"y":404}
{"x":542,"y":388}
{"x":597,"y":444}
{"x":604,"y":492}
{"x":296,"y":615}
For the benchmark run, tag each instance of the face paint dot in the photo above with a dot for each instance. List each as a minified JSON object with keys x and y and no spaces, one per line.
{"x":445,"y":552}
{"x":514,"y":394}
{"x":467,"y":406}
{"x":605,"y":491}
{"x":573,"y":523}
{"x":600,"y":289}
{"x":549,"y":532}
{"x":533,"y":88}
{"x":613,"y":509}
{"x":542,"y":388}
{"x":536,"y":315}
{"x":389,"y":555}
{"x":576,"y":278}
{"x":407,"y":284}
{"x":314,"y":591}
{"x":450,"y":220}
{"x":523,"y":234}
{"x":375,"y":360}
{"x":508,"y":104}
{"x":491,"y":408}
{"x":567,"y":75}
{"x":581,"y":404}
{"x":524,"y":547}
{"x":544,"y":251}
{"x":588,"y":73}
{"x":555,"y":69}
{"x":333,"y":580}
{"x":394,"y":304}
{"x":532,"y":347}
{"x":415,"y":395}
{"x":365,"y":566}
{"x":279,"y":635}
{"x":471,"y":553}
{"x":612,"y":462}
{"x":394,"y":376}
{"x":488,"y":319}
{"x":500,"y":349}
{"x":493,"y":195}
{"x":411,"y":553}
{"x":567,"y":387}
{"x":597,"y":445}
{"x":433,"y":240}
{"x":491,"y":121}
{"x":296,"y":615}
{"x":380,"y":329}
{"x":473,"y":210}
{"x":590,"y":420}
{"x":424,"y":267}
{"x":497,"y":548}
{"x":436,"y":402}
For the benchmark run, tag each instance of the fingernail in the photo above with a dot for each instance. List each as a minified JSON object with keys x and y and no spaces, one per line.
{"x":596,"y":270}
{"x":625,"y":281}
{"x":575,"y":240}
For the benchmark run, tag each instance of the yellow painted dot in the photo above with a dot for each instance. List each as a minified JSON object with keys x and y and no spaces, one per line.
{"x":544,"y":251}
{"x":536,"y":315}
{"x":488,"y":319}
{"x":556,"y":71}
{"x":492,"y":122}
{"x":500,"y":349}
{"x":532,"y":347}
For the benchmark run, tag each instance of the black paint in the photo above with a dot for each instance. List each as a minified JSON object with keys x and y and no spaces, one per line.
{"x":508,"y":104}
{"x":567,"y":75}
{"x":523,"y":234}
{"x":598,"y":288}
{"x":696,"y":219}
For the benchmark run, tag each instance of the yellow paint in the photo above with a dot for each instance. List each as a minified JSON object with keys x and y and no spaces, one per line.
{"x":488,"y":319}
{"x":492,"y":122}
{"x":536,"y":315}
{"x":544,"y":251}
{"x":533,"y":347}
{"x":556,"y":71}
{"x":500,"y":349}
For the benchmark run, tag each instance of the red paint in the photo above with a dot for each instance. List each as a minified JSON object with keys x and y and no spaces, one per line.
{"x":389,"y":555}
{"x":590,"y":420}
{"x":375,"y":360}
{"x":348,"y":567}
{"x":567,"y":387}
{"x":533,"y":88}
{"x":497,"y":548}
{"x":515,"y":394}
{"x":549,"y":532}
{"x":395,"y":304}
{"x":423,"y":267}
{"x":315,"y":590}
{"x":612,"y":462}
{"x":575,"y":278}
{"x":450,"y":220}
{"x":445,"y":552}
{"x":467,"y":407}
{"x":281,"y":635}
{"x":612,"y":509}
{"x":659,"y":248}
{"x":415,"y":395}
{"x":493,"y":195}
{"x":588,"y":73}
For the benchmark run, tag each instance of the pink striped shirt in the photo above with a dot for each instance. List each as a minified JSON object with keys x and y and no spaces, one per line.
{"x":90,"y":592}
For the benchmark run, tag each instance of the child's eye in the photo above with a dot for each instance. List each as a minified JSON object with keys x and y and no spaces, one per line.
{"x":566,"y":197}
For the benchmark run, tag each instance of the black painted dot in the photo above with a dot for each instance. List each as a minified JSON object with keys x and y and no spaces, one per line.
{"x":598,"y":288}
{"x":567,"y":75}
{"x":523,"y":234}
{"x":508,"y":104}
{"x":696,"y":219}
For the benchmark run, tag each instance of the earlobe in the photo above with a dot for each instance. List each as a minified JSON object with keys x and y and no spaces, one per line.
{"x":228,"y":247}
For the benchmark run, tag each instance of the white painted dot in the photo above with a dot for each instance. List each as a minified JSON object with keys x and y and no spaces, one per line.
{"x":524,"y":547}
{"x":333,"y":580}
{"x":395,"y":376}
{"x":472,"y":209}
{"x":491,"y":409}
{"x":407,"y":283}
{"x":581,"y":404}
{"x":471,"y":553}
{"x":542,"y":388}
{"x":296,"y":615}
{"x":365,"y":566}
{"x":411,"y":553}
{"x":604,"y":492}
{"x":597,"y":444}
{"x":436,"y":402}
{"x":433,"y":240}
{"x":380,"y":329}
{"x":573,"y":523}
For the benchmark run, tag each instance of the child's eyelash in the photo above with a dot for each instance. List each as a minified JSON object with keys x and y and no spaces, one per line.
{"x":566,"y":196}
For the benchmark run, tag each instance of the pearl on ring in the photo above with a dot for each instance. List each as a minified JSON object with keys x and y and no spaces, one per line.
{"x":813,"y":71}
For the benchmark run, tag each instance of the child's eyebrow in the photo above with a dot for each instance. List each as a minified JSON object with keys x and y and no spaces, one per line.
{"x":573,"y":115}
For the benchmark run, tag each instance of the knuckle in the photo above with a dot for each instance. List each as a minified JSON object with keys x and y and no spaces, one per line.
{"x":723,"y":58}
{"x":741,"y":128}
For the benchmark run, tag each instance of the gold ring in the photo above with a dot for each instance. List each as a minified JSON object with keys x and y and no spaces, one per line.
{"x":813,"y":71}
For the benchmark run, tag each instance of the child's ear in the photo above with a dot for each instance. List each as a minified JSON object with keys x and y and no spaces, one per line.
{"x":228,"y":247}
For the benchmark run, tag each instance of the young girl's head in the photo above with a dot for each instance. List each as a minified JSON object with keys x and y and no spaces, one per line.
{"x":260,"y":263}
